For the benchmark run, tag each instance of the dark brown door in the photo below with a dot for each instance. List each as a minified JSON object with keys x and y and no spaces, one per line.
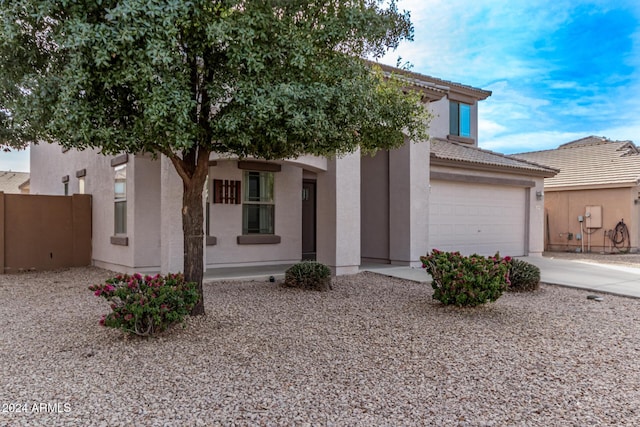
{"x":309,"y":220}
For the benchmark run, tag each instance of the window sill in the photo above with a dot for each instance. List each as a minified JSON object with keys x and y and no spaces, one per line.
{"x":211,"y":240}
{"x":120,"y":240}
{"x":258,"y":239}
{"x":461,"y":139}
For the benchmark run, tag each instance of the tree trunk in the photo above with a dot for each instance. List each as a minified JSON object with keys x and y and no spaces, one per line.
{"x":192,"y":228}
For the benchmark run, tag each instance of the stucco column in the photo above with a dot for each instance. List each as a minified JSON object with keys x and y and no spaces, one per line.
{"x":171,"y":241}
{"x":409,"y":203}
{"x":338,"y":215}
{"x":535,"y":227}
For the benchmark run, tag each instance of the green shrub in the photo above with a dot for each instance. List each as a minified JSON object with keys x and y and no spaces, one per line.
{"x":466,"y":281}
{"x":146,"y":305}
{"x":524,"y":277}
{"x":308,"y":275}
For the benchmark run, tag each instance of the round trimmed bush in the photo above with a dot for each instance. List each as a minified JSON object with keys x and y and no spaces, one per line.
{"x":310,"y":275}
{"x":524,"y":276}
{"x":466,"y":281}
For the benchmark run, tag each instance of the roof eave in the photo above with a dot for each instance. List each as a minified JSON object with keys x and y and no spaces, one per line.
{"x":448,"y":86}
{"x":463,"y":164}
{"x":626,"y":184}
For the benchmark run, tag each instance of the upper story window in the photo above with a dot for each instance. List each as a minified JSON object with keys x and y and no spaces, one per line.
{"x":258,"y":209}
{"x":459,"y":119}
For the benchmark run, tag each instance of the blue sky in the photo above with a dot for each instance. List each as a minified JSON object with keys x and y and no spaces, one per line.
{"x":559,"y":70}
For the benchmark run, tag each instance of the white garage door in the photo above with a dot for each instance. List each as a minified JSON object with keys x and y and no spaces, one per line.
{"x":477,"y":218}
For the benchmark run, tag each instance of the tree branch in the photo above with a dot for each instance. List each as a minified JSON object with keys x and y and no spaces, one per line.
{"x":178,"y":164}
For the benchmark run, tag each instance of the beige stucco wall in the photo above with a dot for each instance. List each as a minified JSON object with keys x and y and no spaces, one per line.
{"x":309,"y":163}
{"x":439,"y":125}
{"x":226,"y":221}
{"x":144,"y":230}
{"x":171,"y":236}
{"x":154,"y":196}
{"x":395,"y":205}
{"x":536,"y":218}
{"x":564,"y":207}
{"x":106,"y":254}
{"x":374,"y":199}
{"x":338,"y":211}
{"x":49,"y":164}
{"x":409,"y":203}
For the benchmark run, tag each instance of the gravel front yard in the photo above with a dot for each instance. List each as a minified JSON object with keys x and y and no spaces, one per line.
{"x":374,"y":351}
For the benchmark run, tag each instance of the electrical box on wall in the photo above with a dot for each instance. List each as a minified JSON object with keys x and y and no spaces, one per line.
{"x":593,"y":216}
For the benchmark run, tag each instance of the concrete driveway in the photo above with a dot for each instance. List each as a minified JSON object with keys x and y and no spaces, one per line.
{"x":598,"y":277}
{"x":577,"y":273}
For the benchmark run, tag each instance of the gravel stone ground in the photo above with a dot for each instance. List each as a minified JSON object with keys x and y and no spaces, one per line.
{"x":375,"y":351}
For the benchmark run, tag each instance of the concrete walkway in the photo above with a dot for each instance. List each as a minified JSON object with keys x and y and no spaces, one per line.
{"x":277,"y":271}
{"x":401,"y":272}
{"x":261,"y":272}
{"x":603,"y":278}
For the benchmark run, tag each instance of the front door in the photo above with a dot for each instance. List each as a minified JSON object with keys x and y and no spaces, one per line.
{"x":309,"y":220}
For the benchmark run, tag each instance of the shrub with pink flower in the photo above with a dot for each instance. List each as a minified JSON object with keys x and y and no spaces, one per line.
{"x":466,"y":281}
{"x":146,"y":305}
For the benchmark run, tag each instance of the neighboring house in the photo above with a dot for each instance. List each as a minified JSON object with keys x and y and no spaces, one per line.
{"x":14,"y":182}
{"x":25,"y":187}
{"x":340,"y":211}
{"x":598,"y":187}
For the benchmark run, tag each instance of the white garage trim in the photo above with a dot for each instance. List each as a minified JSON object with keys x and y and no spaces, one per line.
{"x":448,"y":176}
{"x":478,"y":217}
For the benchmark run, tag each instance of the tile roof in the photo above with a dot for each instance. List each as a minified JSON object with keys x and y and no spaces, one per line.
{"x":590,"y":161}
{"x":25,"y":185}
{"x":447,"y":150}
{"x":10,"y":181}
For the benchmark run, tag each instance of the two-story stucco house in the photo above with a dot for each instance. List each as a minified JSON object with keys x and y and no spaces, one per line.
{"x":390,"y":208}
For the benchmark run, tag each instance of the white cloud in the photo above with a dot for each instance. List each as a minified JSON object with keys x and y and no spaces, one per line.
{"x":548,"y":140}
{"x":489,"y":129}
{"x":554,"y":84}
{"x":532,"y":141}
{"x":485,"y":39}
{"x":623,"y":133}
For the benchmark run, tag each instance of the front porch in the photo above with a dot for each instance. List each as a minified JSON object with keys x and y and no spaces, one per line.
{"x":263,"y":272}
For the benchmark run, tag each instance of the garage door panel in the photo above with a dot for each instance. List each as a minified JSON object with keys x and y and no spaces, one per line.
{"x":477,"y":218}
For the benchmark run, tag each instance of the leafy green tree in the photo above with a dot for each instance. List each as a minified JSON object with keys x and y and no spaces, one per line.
{"x":272,"y":79}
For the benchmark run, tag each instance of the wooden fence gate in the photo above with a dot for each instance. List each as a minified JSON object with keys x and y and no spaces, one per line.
{"x":44,"y":232}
